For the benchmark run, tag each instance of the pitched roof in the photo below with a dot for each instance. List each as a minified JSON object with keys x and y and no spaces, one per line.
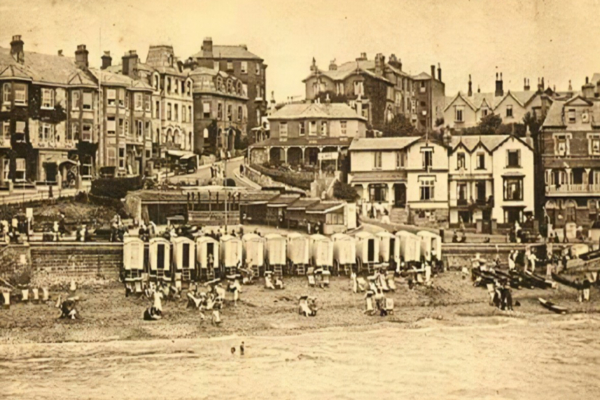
{"x":231,"y":52}
{"x":346,"y":69}
{"x":422,"y":77}
{"x":109,"y":78}
{"x":283,"y":200}
{"x":316,"y":110}
{"x":324,"y":207}
{"x":304,"y":141}
{"x":43,"y":68}
{"x":202,"y":85}
{"x":489,"y":142}
{"x":596,"y":77}
{"x":302,"y":203}
{"x":387,"y":143}
{"x":257,"y":196}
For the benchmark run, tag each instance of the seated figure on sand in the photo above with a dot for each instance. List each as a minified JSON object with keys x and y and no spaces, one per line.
{"x":67,"y":307}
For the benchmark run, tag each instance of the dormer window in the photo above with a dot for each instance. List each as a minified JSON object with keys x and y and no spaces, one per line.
{"x":359,"y":88}
{"x":572,"y":118}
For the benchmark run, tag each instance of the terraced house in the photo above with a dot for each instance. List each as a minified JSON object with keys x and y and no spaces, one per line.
{"x":48,"y":117}
{"x":379,"y":90}
{"x":570,"y":147}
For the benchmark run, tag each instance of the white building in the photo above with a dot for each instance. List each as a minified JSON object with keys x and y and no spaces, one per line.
{"x":490,"y":177}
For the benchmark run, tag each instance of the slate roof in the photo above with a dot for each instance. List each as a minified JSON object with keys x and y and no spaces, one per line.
{"x":316,"y":110}
{"x":302,"y":203}
{"x":229,"y":52}
{"x":392,"y":143}
{"x":378,"y":176}
{"x":108,"y":78}
{"x":43,"y":68}
{"x":352,"y":67}
{"x":489,"y":142}
{"x":208,"y":86}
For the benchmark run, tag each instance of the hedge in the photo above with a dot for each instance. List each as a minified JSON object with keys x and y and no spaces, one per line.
{"x":116,"y":188}
{"x":296,"y":179}
{"x":343,"y":191}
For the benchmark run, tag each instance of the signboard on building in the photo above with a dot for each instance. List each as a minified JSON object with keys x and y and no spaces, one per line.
{"x":328,"y":156}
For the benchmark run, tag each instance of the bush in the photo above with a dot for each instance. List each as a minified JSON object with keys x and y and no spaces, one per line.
{"x":115,"y":204}
{"x":296,"y":179}
{"x":116,"y":188}
{"x":343,"y":191}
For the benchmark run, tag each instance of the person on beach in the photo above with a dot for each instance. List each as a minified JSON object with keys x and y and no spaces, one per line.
{"x":586,"y":289}
{"x":279,"y":285}
{"x":67,"y":308}
{"x":269,"y":280}
{"x":152,"y":314}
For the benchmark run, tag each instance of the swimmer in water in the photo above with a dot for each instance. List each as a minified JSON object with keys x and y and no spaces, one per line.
{"x":233,"y":350}
{"x":242,"y":349}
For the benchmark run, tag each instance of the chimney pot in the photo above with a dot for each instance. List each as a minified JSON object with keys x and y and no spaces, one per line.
{"x":439,"y":72}
{"x":106,"y":60}
{"x":16,"y":49}
{"x":81,"y":57}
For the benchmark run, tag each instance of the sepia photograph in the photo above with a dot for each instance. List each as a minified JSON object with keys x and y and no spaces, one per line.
{"x":299,"y":199}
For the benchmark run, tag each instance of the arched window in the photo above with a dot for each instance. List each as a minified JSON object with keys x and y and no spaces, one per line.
{"x":229,"y":86}
{"x":169,"y":85}
{"x":157,"y":137}
{"x":169,"y":136}
{"x":239,"y":88}
{"x":219,"y":83}
{"x":176,"y":137}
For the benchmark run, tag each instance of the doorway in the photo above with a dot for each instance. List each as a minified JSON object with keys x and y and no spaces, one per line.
{"x":399,"y":195}
{"x":51,"y":171}
{"x":371,"y":250}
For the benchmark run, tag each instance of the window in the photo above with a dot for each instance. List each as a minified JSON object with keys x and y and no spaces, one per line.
{"x":139,"y":128}
{"x":47,"y":98}
{"x":283,"y":129}
{"x":46,"y":133}
{"x":513,"y":189}
{"x":422,"y":104}
{"x":5,"y":168}
{"x":460,"y":161}
{"x":138,"y":101}
{"x":147,"y":102}
{"x":176,"y":112}
{"x":219,"y":111}
{"x":156,"y":109}
{"x":400,"y":159}
{"x":594,"y":144}
{"x":86,"y":133}
{"x":20,"y":94}
{"x":205,"y":133}
{"x":339,"y":88}
{"x":121,"y":158}
{"x":509,"y":111}
{"x":458,"y":114}
{"x":244,"y":89}
{"x":572,"y":118}
{"x":111,"y":97}
{"x":461,"y":193}
{"x":240,"y":113}
{"x":75,"y":99}
{"x":229,"y":65}
{"x":206,"y":110}
{"x":6,"y":131}
{"x":87,"y":101}
{"x":480,"y":160}
{"x":229,"y":113}
{"x":244,"y":67}
{"x":427,"y":158}
{"x":258,"y":94}
{"x":6,"y":93}
{"x":377,"y":160}
{"x":112,"y":156}
{"x":169,"y":111}
{"x":126,"y":128}
{"x":312,"y":128}
{"x":126,"y":100}
{"x":323,"y":128}
{"x":190,"y":115}
{"x":485,"y":112}
{"x":561,"y":145}
{"x":20,"y":131}
{"x":183,"y":114}
{"x":513,"y":158}
{"x":344,"y":127}
{"x":301,"y":129}
{"x":168,"y":85}
{"x":147,"y":130}
{"x":121,"y":127}
{"x":20,"y":170}
{"x":257,"y":68}
{"x":359,"y":88}
{"x":111,"y":125}
{"x":422,"y":88}
{"x":427,"y":187}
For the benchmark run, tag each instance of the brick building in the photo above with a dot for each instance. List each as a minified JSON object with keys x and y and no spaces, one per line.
{"x":240,"y":63}
{"x":221,"y":113}
{"x":570,"y":153}
{"x":48,"y":117}
{"x":379,"y":90}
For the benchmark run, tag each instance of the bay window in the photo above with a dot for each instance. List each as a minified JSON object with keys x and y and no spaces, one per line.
{"x":20,"y":94}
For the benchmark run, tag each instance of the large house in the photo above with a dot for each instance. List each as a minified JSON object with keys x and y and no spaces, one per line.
{"x":380,"y":90}
{"x":407,"y":173}
{"x":570,"y":152}
{"x":467,"y":110}
{"x":239,"y":63}
{"x":490,"y":177}
{"x":48,"y":115}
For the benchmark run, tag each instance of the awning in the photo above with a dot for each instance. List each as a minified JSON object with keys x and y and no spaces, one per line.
{"x":68,"y":162}
{"x":188,"y":156}
{"x":180,"y":153}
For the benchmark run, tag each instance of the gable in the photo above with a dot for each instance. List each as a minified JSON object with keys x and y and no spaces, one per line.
{"x":509,"y":99}
{"x":460,"y":101}
{"x":578,"y":101}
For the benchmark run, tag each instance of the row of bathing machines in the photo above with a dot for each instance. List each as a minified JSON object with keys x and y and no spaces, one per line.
{"x":185,"y":259}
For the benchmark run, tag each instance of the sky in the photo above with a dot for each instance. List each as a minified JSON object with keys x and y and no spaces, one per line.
{"x":556,"y":39}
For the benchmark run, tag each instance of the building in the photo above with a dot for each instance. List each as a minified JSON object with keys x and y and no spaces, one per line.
{"x":467,"y":110}
{"x":171,"y":105}
{"x":48,"y":117}
{"x":570,"y":153}
{"x":409,"y":174}
{"x":221,"y":115}
{"x":490,"y":177}
{"x":302,"y":133}
{"x":240,"y":63}
{"x":380,"y":90}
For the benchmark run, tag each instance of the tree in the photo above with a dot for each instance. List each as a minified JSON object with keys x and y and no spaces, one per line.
{"x":398,"y":126}
{"x":489,"y":124}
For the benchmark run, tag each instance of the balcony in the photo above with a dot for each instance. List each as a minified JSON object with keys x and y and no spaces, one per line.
{"x":573,"y":189}
{"x":479,"y":203}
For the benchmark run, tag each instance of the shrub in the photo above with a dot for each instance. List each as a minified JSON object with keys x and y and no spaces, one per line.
{"x":343,"y":191}
{"x":116,"y":188}
{"x":296,"y":179}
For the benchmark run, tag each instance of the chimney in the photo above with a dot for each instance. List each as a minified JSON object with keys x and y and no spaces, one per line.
{"x":60,"y":53}
{"x":588,"y":89}
{"x":379,"y":64}
{"x":545,"y":105}
{"x":470,"y":92}
{"x":499,"y":85}
{"x":543,"y":85}
{"x":363,"y":57}
{"x":130,"y":61}
{"x":16,"y":49}
{"x":394,"y":62}
{"x":433,"y":72}
{"x":243,"y":46}
{"x":526,"y":85}
{"x":207,"y":47}
{"x":106,"y":60}
{"x":332,"y":65}
{"x":313,"y":66}
{"x":439,"y":72}
{"x":81,"y":57}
